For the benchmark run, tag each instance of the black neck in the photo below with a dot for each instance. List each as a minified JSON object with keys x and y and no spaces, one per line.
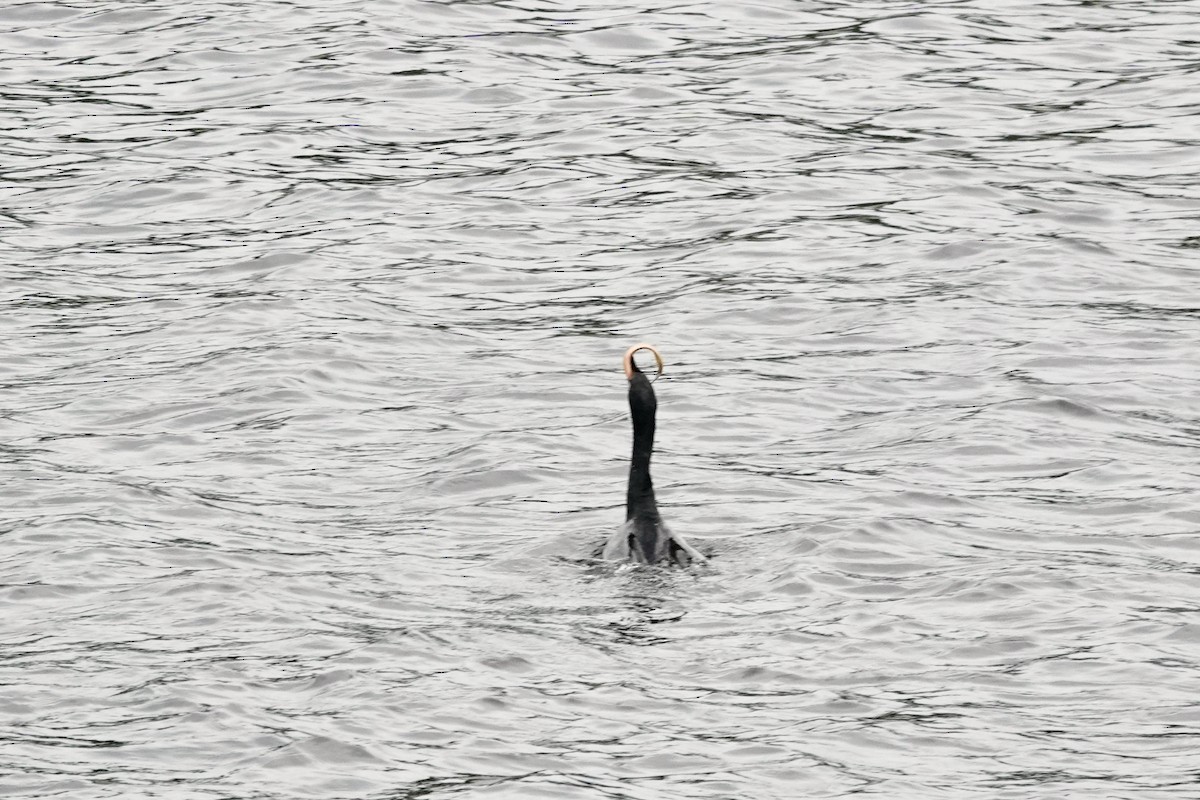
{"x":639,"y":499}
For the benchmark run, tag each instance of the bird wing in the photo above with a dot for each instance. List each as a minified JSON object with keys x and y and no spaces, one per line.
{"x":681,"y":547}
{"x":617,"y":546}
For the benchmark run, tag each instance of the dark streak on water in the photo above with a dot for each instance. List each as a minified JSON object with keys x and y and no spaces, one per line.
{"x":311,"y":323}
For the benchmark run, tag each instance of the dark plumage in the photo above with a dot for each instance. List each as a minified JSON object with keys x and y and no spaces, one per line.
{"x":644,"y":538}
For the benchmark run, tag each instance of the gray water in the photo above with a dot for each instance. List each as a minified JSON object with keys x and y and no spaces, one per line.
{"x":314,"y":419}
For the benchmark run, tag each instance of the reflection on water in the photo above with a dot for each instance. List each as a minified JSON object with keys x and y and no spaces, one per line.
{"x":313,"y":316}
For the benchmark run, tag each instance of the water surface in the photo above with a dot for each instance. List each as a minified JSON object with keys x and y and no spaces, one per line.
{"x":312,"y":316}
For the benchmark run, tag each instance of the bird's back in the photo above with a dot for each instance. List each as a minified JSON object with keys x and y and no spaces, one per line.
{"x":649,"y":541}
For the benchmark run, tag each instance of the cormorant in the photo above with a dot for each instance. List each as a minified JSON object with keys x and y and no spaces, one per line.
{"x":644,"y":538}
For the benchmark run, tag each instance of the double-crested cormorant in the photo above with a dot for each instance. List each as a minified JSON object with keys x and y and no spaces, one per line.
{"x":644,"y":538}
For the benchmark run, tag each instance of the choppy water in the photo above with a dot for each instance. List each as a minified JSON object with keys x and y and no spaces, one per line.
{"x":312,"y":316}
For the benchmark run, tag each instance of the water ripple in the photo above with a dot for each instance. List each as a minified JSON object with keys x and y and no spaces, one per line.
{"x":312,"y":314}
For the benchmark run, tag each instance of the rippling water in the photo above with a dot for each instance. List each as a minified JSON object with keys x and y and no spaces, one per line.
{"x":313,"y":411}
